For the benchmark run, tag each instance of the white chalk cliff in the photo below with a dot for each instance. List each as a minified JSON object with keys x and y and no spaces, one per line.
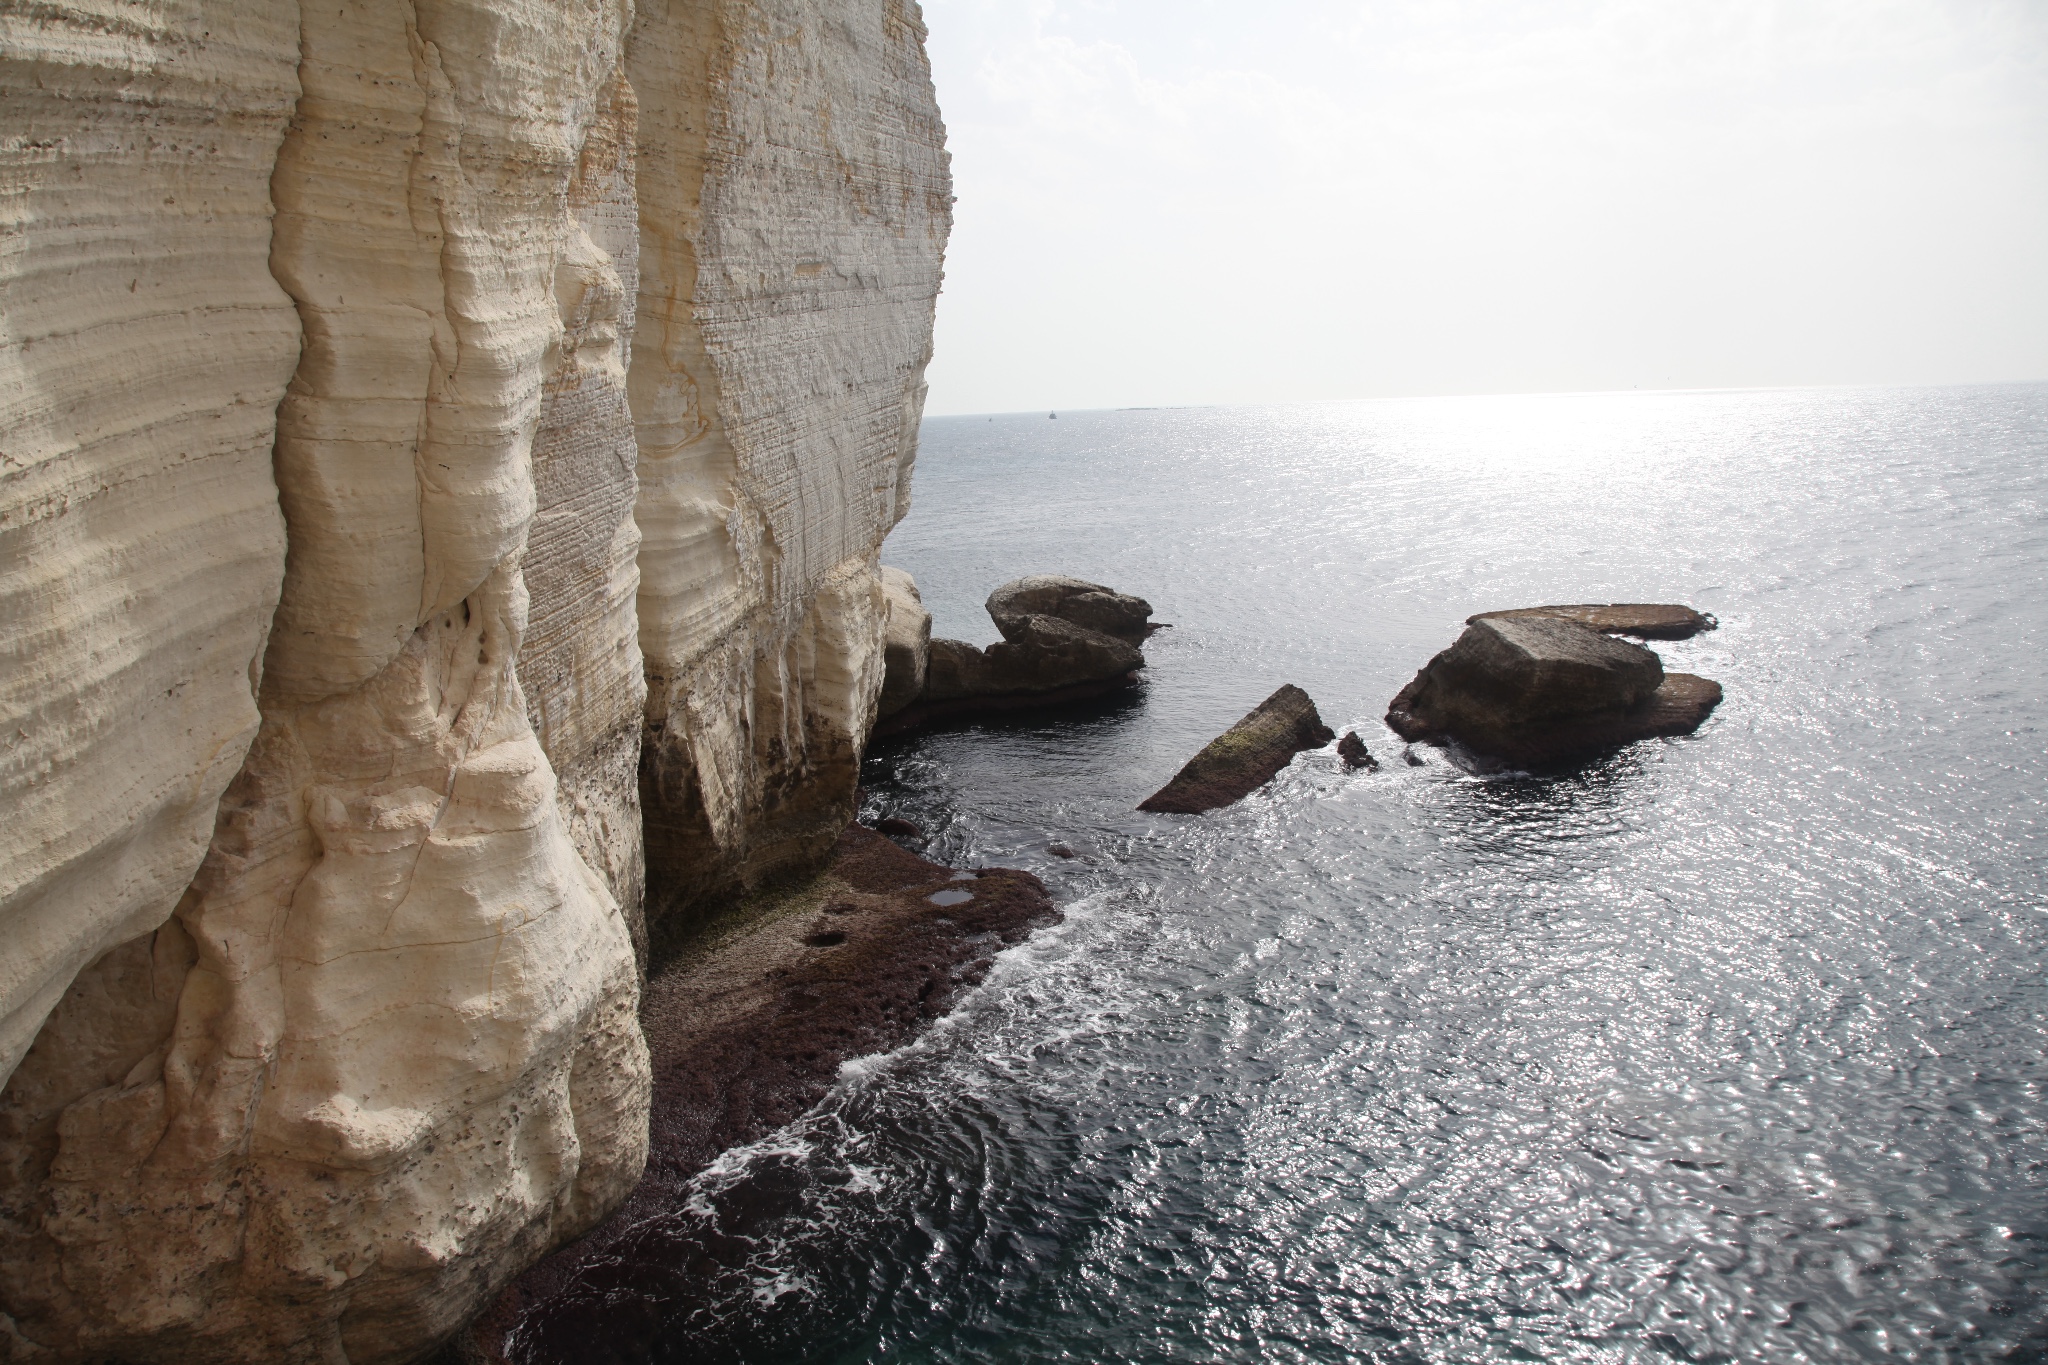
{"x":444,"y":450}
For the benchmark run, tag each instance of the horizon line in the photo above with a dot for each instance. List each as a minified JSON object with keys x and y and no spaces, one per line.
{"x":1499,"y":393}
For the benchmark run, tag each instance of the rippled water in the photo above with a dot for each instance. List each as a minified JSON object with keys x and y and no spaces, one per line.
{"x":1725,"y":1048}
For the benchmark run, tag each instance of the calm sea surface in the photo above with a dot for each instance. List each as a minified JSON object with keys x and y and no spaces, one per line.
{"x":1728,"y":1048}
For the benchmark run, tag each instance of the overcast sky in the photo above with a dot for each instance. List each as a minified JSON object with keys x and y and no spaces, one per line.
{"x":1192,"y":201}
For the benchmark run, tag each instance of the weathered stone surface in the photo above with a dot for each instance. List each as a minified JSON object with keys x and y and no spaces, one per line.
{"x":907,"y":643}
{"x":579,"y":663}
{"x":796,"y":198}
{"x":1352,"y":750}
{"x":389,"y":1051}
{"x":585,"y":349}
{"x":143,"y":348}
{"x":1042,"y":654}
{"x":1502,"y":674}
{"x":1088,"y":605}
{"x":1540,"y":689}
{"x":748,"y":1025}
{"x":1644,"y":620}
{"x":1245,"y":757}
{"x":1045,"y":658}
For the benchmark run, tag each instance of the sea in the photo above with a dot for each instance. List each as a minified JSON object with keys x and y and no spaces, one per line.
{"x":1726,"y":1048}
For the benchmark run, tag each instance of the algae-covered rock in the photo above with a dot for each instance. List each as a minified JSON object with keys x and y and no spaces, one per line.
{"x":1244,"y":758}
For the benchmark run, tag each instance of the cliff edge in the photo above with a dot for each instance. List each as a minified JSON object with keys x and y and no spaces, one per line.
{"x":444,"y":450}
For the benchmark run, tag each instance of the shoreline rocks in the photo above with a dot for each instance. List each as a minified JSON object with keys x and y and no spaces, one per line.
{"x":1245,"y":757}
{"x":1538,"y":688}
{"x":747,"y":1028}
{"x":1064,"y":640}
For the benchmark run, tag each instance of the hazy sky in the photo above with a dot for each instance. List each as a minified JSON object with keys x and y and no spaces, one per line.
{"x":1191,"y":201}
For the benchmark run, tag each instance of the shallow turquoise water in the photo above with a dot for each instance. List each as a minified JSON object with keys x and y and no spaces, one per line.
{"x":1723,"y":1048}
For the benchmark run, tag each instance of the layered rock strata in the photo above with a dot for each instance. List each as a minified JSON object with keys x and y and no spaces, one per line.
{"x":1246,"y":756}
{"x":749,"y":1025}
{"x":144,"y":345}
{"x":794,"y":201}
{"x":1539,"y":688}
{"x":428,"y":432}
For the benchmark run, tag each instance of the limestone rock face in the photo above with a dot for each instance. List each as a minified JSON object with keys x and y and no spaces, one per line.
{"x":795,"y":197}
{"x":906,"y":654}
{"x":426,"y":427}
{"x":143,"y":349}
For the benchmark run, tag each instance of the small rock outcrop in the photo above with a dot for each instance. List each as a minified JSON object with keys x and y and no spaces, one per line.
{"x":1352,"y":750}
{"x":1538,"y":688}
{"x":1063,"y":640}
{"x":1245,"y":757}
{"x":1043,"y":654}
{"x":1644,"y":620}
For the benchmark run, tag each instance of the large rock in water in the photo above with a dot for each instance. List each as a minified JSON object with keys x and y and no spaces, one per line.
{"x":1063,"y":640}
{"x":1088,"y":605}
{"x":1245,"y":757}
{"x":1539,"y":688}
{"x":1644,"y":620}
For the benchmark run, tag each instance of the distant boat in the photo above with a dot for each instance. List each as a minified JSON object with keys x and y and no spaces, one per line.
{"x":1054,"y":416}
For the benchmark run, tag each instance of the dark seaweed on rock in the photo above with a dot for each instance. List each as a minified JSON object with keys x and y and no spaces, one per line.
{"x":746,"y":1032}
{"x":1244,"y":758}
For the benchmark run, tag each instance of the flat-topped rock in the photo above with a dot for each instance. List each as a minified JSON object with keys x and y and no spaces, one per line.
{"x":1088,"y":605}
{"x":1644,"y":620}
{"x":1539,"y":689}
{"x":1245,"y":757}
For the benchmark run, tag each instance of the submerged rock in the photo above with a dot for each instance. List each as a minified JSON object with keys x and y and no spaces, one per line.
{"x":1539,"y":689}
{"x":1644,"y":620}
{"x":1244,"y":758}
